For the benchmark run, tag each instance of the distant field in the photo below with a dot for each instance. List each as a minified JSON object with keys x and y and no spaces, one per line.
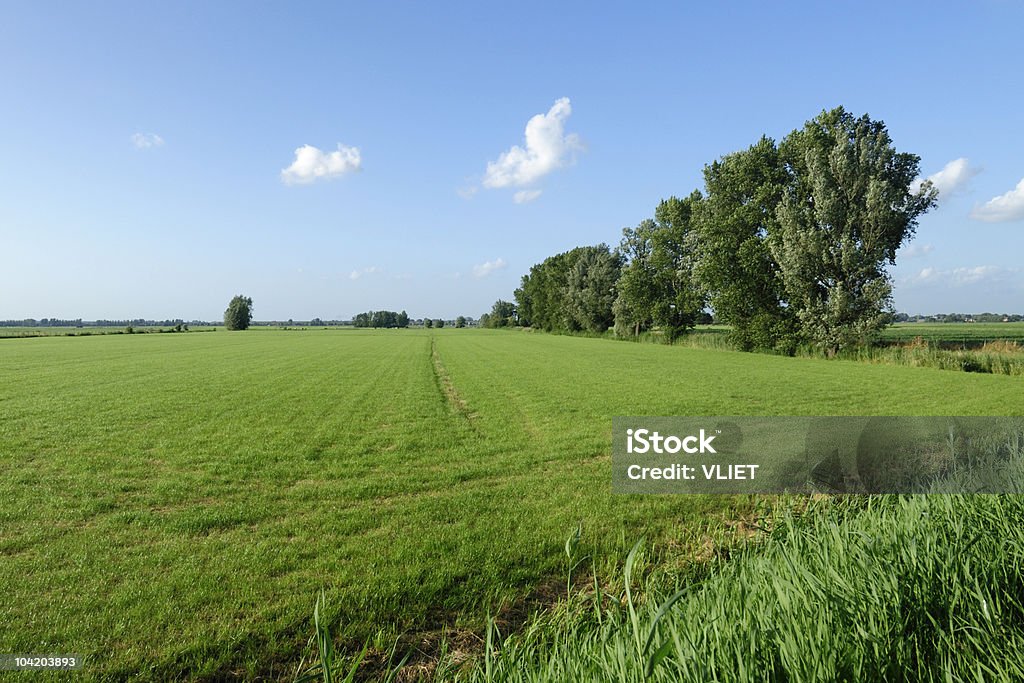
{"x":9,"y":332}
{"x":969,"y":334}
{"x":170,"y":504}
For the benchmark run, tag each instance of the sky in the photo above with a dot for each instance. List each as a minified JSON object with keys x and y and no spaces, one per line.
{"x":328,"y":158}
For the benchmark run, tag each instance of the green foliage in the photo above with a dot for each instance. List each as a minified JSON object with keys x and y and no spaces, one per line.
{"x":428,"y":323}
{"x":503,"y":314}
{"x":637,"y":294}
{"x":845,"y":212}
{"x":385,"y":319}
{"x":735,"y":266}
{"x":239,"y":313}
{"x":590,"y":289}
{"x":658,"y":287}
{"x":570,"y":291}
{"x":460,"y":321}
{"x":679,"y":301}
{"x":789,"y":245}
{"x":439,"y":323}
{"x":914,"y":588}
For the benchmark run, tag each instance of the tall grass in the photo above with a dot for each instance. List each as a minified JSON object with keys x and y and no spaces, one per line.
{"x":915,"y":588}
{"x":997,"y":358}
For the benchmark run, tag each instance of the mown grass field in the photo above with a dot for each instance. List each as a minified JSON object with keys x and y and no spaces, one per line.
{"x":172,"y":504}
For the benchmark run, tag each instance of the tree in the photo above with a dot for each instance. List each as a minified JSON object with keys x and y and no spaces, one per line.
{"x":848,"y":208}
{"x":735,"y":265}
{"x":439,"y":323}
{"x":460,"y":321}
{"x":239,"y":313}
{"x":540,"y":299}
{"x":590,"y":289}
{"x":402,"y":319}
{"x":673,"y":255}
{"x":569,"y":291}
{"x":428,"y":323}
{"x":636,"y":288}
{"x":503,"y":314}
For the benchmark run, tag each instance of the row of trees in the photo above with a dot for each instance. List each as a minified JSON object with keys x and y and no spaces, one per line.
{"x":381,"y":319}
{"x":238,"y":316}
{"x":78,"y":322}
{"x":788,"y":243}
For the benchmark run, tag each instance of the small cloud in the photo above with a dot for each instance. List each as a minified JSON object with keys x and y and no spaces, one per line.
{"x":488,"y":267}
{"x":1005,"y":207}
{"x":525,"y":196}
{"x":952,"y":178}
{"x":146,"y":140}
{"x":313,"y":164}
{"x":356,"y":274}
{"x":916,"y":251}
{"x":547,"y":148}
{"x":961,"y":277}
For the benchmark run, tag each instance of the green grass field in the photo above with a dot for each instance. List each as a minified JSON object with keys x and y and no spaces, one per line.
{"x":172,"y":504}
{"x":968,"y":334}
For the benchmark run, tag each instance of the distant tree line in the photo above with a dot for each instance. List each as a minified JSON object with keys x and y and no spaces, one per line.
{"x":960,"y":318}
{"x":78,"y":322}
{"x":788,"y":244}
{"x":381,"y":319}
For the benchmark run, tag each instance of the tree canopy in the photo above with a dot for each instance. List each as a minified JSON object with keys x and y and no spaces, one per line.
{"x":788,"y":243}
{"x":381,"y":319}
{"x":571,"y":291}
{"x":239,"y":313}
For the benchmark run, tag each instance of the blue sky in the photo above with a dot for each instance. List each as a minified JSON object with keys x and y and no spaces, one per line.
{"x":149,"y":164}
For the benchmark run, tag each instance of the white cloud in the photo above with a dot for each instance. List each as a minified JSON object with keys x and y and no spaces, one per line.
{"x":916,"y":250}
{"x":146,"y":140}
{"x":313,"y":164}
{"x":488,"y":267}
{"x":952,"y":178}
{"x":960,"y":277}
{"x":547,"y":148}
{"x":356,"y":274}
{"x":1005,"y":207}
{"x":525,"y":196}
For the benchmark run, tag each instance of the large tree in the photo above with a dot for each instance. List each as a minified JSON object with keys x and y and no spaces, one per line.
{"x":658,"y":286}
{"x":634,"y":305}
{"x":590,"y":289}
{"x":679,"y":300}
{"x":239,"y":313}
{"x":735,"y":266}
{"x":570,"y":291}
{"x":847,"y":209}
